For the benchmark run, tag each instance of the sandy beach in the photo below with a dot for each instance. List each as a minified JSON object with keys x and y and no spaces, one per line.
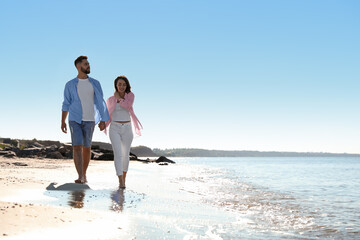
{"x":153,"y":206}
{"x":23,"y":181}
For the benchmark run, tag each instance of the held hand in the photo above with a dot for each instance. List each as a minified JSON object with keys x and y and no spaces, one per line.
{"x":63,"y":127}
{"x":101,"y":125}
{"x":117,"y":95}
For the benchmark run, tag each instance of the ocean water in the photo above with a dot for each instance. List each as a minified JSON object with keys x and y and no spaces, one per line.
{"x":229,"y":198}
{"x":282,"y":198}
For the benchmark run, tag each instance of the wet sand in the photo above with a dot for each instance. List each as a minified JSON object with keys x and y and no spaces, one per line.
{"x":22,"y":183}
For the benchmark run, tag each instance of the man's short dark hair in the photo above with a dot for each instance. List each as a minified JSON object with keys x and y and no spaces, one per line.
{"x":80,"y":59}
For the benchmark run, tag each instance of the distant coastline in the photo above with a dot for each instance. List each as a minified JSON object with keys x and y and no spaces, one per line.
{"x":194,"y":152}
{"x":143,"y":151}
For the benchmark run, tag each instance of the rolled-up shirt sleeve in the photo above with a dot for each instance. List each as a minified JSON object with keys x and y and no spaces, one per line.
{"x":67,"y":98}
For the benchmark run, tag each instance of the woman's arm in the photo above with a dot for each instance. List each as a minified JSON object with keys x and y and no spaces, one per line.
{"x":128,"y":101}
{"x":110,"y":104}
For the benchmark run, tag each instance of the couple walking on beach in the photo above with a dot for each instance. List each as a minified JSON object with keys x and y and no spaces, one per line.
{"x":85,"y":105}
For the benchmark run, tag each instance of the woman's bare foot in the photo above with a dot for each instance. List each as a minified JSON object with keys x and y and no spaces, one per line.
{"x":124,"y":177}
{"x":121,"y":182}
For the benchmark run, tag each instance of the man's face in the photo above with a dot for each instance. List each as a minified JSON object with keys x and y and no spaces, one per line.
{"x":85,"y":66}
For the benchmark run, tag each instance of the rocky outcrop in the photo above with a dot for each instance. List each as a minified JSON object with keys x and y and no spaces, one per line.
{"x":30,"y":152}
{"x":56,"y":150}
{"x":163,"y":159}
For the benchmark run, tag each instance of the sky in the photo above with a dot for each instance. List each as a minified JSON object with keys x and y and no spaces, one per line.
{"x":229,"y":75}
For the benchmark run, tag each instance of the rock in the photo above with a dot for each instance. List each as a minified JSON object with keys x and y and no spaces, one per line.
{"x":37,"y":145}
{"x":93,"y":147}
{"x":66,"y":150}
{"x":20,"y":164}
{"x":101,"y":145}
{"x":67,"y":146}
{"x":6,"y":140}
{"x":163,"y":159}
{"x":95,"y":155}
{"x":163,"y":164}
{"x":51,"y":148}
{"x":29,"y":152}
{"x":103,"y":156}
{"x":2,"y":153}
{"x":10,"y":154}
{"x":54,"y":155}
{"x":62,"y":150}
{"x":133,"y":156}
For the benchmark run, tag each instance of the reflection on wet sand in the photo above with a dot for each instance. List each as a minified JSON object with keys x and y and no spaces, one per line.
{"x":76,"y":192}
{"x":118,"y":199}
{"x":82,"y":196}
{"x":76,"y":199}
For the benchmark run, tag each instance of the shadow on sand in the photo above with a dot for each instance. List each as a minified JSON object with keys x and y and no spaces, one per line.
{"x":68,"y":187}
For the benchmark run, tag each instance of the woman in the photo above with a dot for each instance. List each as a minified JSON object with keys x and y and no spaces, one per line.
{"x":120,"y":107}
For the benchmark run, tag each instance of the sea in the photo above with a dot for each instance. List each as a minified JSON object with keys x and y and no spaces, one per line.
{"x":284,"y":198}
{"x":234,"y":198}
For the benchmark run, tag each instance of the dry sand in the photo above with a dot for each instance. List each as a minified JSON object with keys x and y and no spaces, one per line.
{"x":21,"y":179}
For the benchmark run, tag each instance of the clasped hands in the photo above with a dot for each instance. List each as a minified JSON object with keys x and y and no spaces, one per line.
{"x":101,"y":125}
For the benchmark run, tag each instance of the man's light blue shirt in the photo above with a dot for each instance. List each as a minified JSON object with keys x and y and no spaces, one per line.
{"x":72,"y":103}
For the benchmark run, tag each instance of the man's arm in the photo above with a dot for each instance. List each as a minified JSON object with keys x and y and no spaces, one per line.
{"x":104,"y":114}
{"x":63,"y":118}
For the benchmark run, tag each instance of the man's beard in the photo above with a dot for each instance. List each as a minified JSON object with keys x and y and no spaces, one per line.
{"x":86,"y":71}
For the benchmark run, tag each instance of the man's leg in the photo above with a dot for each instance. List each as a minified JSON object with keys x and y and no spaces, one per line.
{"x":88,"y":130}
{"x":86,"y":154}
{"x":77,"y":142}
{"x":78,"y":160}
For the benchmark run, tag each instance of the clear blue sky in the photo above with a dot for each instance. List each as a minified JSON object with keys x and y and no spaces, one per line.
{"x":232,"y":75}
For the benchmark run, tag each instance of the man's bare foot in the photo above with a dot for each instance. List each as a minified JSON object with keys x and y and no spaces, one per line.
{"x":78,"y":181}
{"x":81,"y":180}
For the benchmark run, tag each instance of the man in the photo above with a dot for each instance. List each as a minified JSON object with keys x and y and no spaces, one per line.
{"x":83,"y":101}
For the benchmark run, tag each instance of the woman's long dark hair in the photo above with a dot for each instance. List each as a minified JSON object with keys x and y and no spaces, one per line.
{"x":122,"y":77}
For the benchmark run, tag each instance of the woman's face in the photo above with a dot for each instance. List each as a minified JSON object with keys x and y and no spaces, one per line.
{"x":121,"y":86}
